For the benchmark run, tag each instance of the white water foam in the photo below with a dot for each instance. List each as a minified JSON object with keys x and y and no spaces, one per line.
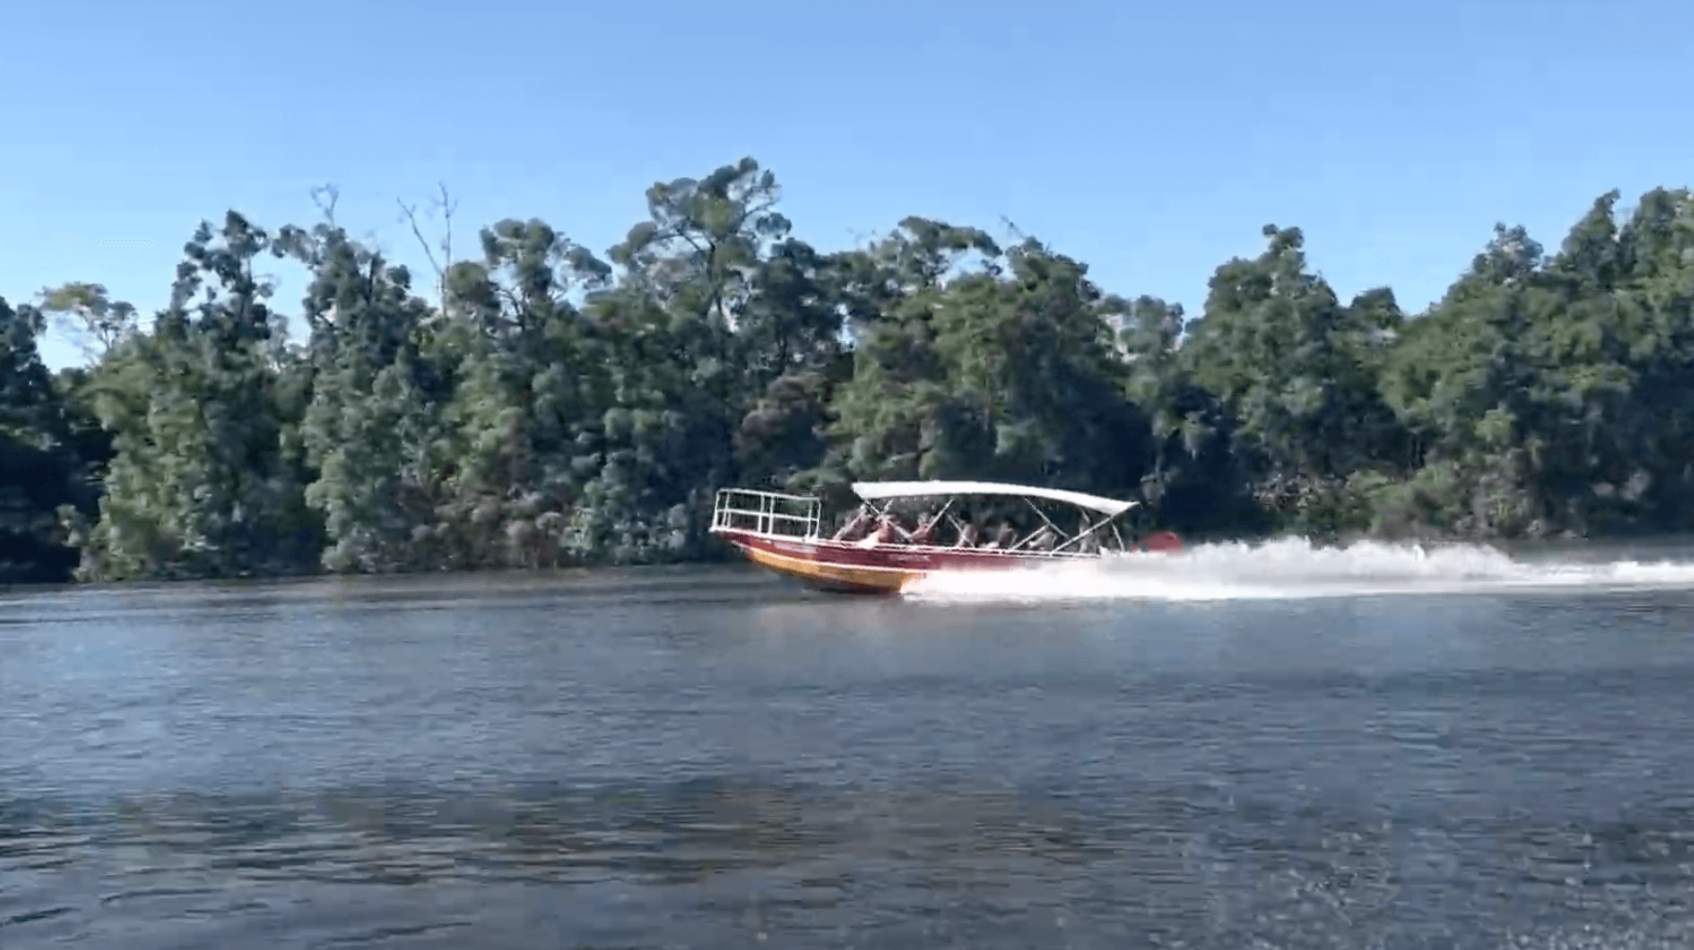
{"x":1294,"y":568}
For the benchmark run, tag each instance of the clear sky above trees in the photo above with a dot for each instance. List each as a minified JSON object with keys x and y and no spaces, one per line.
{"x":1151,"y":140}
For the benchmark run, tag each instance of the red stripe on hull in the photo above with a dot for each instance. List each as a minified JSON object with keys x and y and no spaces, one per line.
{"x":904,"y":557}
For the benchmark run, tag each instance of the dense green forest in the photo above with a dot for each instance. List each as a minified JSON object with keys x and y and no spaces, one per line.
{"x":538,"y":404}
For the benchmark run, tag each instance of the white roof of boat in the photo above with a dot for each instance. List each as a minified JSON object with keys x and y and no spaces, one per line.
{"x":876,"y":490}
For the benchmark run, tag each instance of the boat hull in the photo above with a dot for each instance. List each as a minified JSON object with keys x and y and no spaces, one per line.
{"x":845,"y":567}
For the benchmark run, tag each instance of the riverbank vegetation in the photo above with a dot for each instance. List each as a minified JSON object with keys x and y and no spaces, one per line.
{"x":536,"y":403}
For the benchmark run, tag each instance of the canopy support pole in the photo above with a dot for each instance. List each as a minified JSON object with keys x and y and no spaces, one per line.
{"x":1083,"y":534}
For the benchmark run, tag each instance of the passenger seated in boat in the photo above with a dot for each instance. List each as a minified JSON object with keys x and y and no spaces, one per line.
{"x":925,"y":533}
{"x":888,"y":531}
{"x":967,"y":535}
{"x":898,"y":533}
{"x":1044,"y":539}
{"x":857,"y":527}
{"x":1003,"y":537}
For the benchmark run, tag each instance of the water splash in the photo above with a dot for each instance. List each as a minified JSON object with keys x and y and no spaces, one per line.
{"x":1294,"y":568}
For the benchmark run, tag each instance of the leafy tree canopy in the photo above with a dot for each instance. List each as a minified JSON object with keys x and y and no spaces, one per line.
{"x":538,"y":403}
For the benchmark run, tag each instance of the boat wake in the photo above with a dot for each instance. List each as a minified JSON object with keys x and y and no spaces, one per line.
{"x":1294,"y":568}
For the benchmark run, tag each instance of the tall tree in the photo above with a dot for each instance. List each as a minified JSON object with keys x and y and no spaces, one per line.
{"x":1293,"y":367}
{"x":200,"y":484}
{"x":371,"y":421}
{"x":41,"y":474}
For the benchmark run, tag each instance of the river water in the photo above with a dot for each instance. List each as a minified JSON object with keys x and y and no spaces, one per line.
{"x":1245,"y":748}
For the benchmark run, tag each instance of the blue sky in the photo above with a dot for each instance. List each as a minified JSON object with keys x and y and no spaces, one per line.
{"x":1151,"y":140}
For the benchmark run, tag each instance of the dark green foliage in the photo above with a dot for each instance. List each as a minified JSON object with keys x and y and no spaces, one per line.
{"x":551,"y":407}
{"x":203,"y":413}
{"x":49,"y":450}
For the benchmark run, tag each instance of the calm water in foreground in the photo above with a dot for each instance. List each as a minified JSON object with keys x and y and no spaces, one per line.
{"x":712,"y":758}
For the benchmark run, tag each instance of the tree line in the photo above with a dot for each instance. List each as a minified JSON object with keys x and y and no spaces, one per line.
{"x":537,"y":404}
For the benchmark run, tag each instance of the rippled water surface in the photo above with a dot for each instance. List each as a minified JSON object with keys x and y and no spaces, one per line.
{"x":713,"y":758}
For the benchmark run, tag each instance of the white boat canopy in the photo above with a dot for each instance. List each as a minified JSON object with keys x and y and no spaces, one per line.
{"x":871,"y":491}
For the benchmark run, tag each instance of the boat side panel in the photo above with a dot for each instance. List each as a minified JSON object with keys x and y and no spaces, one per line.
{"x":825,"y":574}
{"x":891,"y":556}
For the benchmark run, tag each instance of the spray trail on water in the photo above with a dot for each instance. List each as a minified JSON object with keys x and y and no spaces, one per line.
{"x":1293,"y":568}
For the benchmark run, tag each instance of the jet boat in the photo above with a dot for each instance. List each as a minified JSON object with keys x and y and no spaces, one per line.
{"x":957,"y":526}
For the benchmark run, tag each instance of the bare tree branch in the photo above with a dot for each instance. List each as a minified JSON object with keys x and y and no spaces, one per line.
{"x":445,"y":204}
{"x":325,"y":197}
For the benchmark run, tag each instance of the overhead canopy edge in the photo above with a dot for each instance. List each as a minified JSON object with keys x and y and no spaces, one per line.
{"x":873,"y":491}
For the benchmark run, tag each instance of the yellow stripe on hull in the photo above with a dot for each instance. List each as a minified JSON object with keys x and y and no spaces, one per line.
{"x":889,"y":579}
